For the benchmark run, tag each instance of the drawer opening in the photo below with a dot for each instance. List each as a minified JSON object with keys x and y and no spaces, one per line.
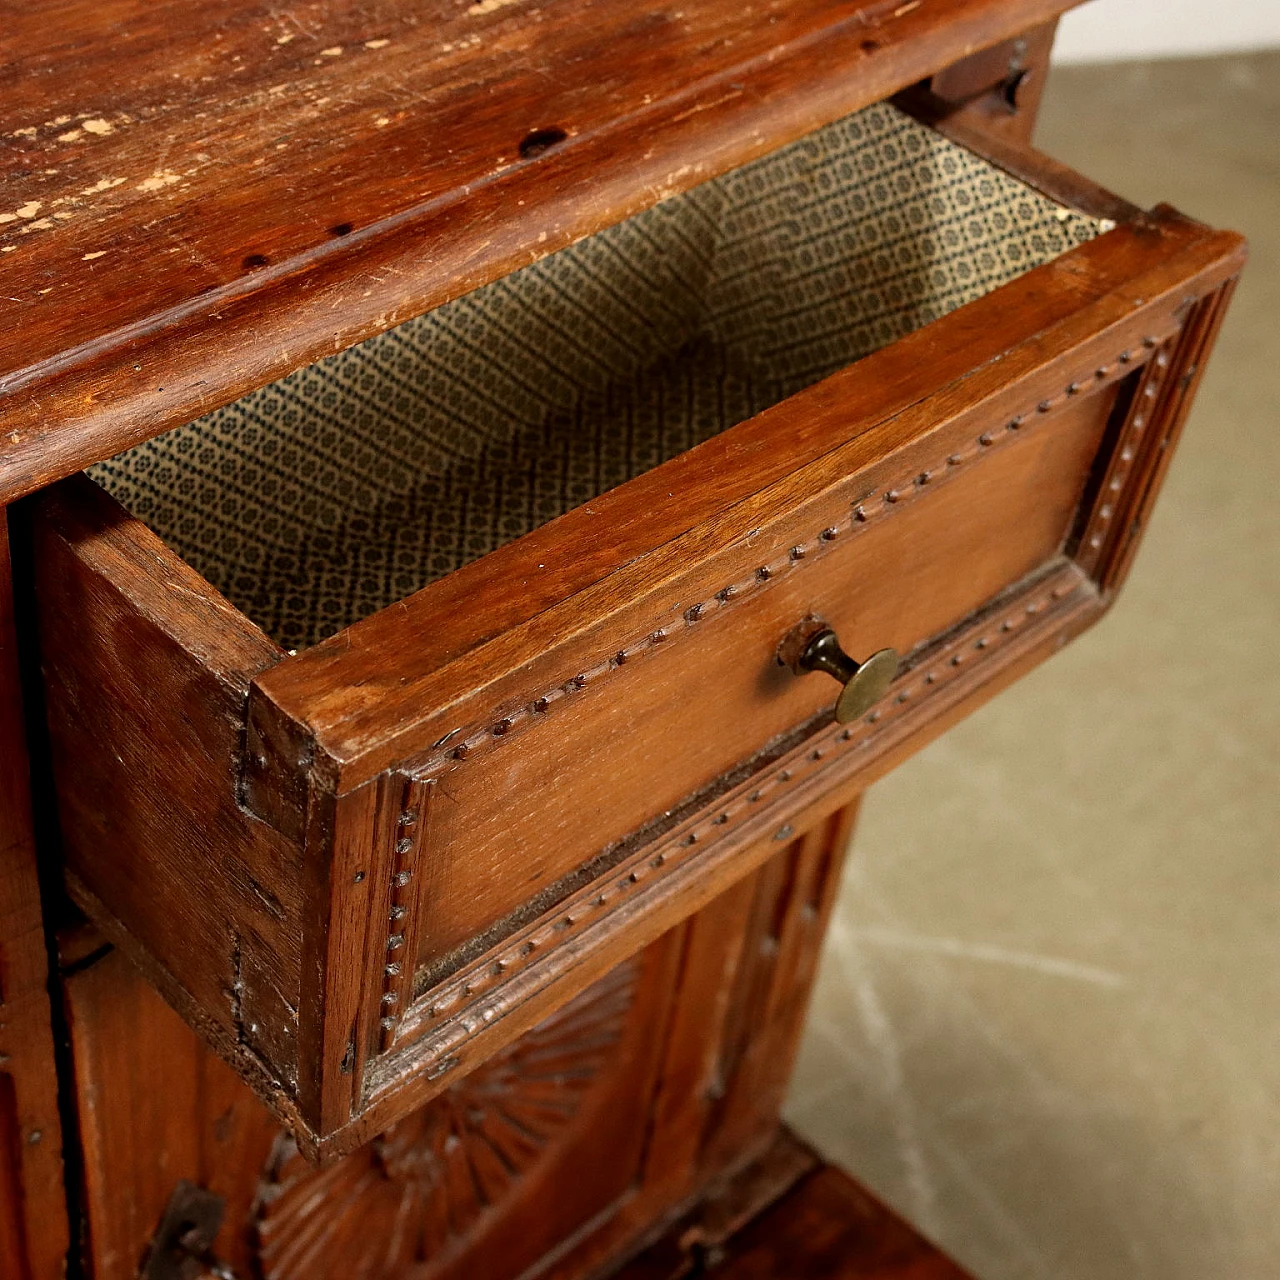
{"x":349,"y":484}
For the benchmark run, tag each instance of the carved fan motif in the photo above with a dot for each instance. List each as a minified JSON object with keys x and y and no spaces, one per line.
{"x":426,"y":1182}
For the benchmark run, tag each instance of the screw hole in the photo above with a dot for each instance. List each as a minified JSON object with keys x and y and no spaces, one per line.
{"x":541,"y":140}
{"x":342,"y":229}
{"x":254,"y":261}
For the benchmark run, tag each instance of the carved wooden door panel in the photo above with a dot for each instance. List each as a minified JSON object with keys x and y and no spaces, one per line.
{"x":565,"y":1147}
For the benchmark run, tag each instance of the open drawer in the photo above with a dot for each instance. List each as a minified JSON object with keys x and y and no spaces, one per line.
{"x":426,"y":684}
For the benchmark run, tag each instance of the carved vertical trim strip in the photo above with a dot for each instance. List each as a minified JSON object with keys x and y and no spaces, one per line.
{"x":400,"y":929}
{"x":1126,"y":459}
{"x":794,"y":894}
{"x":1178,"y":391}
{"x":1146,"y":441}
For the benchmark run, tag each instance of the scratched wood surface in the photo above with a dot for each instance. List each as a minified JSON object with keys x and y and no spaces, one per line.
{"x":199,"y":198}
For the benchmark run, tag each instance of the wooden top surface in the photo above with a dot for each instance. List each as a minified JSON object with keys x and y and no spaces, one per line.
{"x":199,"y":197}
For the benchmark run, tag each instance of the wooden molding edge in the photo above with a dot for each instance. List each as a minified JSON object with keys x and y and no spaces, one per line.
{"x":453,"y":1026}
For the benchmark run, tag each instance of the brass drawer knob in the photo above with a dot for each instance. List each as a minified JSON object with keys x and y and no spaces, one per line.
{"x":865,"y":683}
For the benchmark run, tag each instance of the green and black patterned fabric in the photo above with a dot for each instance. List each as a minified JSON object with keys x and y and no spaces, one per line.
{"x":351,"y":483}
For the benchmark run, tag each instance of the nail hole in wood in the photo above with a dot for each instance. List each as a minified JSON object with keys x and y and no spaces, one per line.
{"x":540,"y":140}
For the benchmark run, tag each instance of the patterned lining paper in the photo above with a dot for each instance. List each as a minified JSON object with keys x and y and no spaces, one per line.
{"x":351,"y":483}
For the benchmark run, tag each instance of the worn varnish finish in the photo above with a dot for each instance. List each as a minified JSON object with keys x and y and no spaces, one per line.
{"x":33,"y":1222}
{"x":287,"y":849}
{"x":292,"y":183}
{"x":663,"y":1078}
{"x":359,"y":945}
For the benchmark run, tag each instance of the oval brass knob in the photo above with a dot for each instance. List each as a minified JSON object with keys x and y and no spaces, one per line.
{"x":865,"y":683}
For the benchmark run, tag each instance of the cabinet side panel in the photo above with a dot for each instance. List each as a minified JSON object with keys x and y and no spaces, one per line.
{"x":33,"y":1221}
{"x":154,"y":1107}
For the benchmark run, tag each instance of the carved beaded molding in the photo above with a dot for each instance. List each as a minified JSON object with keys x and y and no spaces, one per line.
{"x":402,"y":908}
{"x":456,"y":1010}
{"x":449,"y":751}
{"x":1121,"y":464}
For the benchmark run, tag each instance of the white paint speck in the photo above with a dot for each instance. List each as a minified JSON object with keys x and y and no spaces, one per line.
{"x":28,"y":132}
{"x":89,"y":257}
{"x":284,"y":39}
{"x":103,"y":184}
{"x":334,"y":51}
{"x":160,"y":179}
{"x":488,"y":6}
{"x":70,"y":136}
{"x":382,"y":121}
{"x":376,"y":44}
{"x":7,"y":248}
{"x":29,"y":210}
{"x":100,"y":127}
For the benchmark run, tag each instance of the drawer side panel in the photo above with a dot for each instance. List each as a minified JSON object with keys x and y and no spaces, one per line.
{"x":146,"y":730}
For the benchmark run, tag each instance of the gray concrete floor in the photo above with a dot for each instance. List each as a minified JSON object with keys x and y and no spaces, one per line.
{"x":1047,"y":1027}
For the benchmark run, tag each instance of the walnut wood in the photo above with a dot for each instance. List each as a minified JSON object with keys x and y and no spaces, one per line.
{"x":384,"y":878}
{"x":33,"y":1220}
{"x":826,"y":1227}
{"x":624,"y":1111}
{"x":886,"y":586}
{"x":279,"y":175}
{"x":790,"y":466}
{"x":870,"y":475}
{"x":997,"y":91}
{"x":217,"y":889}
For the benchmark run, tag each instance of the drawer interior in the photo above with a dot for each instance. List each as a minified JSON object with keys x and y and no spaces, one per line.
{"x":338,"y":490}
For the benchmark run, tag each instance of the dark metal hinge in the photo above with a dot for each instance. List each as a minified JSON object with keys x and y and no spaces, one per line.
{"x":182,"y":1247}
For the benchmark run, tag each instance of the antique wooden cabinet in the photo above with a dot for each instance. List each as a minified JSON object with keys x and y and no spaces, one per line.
{"x":500,"y":422}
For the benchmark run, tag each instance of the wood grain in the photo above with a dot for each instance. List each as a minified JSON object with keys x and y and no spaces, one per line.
{"x":280,"y":174}
{"x":826,"y":1227}
{"x":140,"y":654}
{"x":637,"y":558}
{"x":568,"y":1146}
{"x":260,"y":797}
{"x":713,"y":690}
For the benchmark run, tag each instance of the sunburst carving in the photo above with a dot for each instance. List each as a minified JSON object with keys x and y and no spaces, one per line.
{"x":421,"y":1186}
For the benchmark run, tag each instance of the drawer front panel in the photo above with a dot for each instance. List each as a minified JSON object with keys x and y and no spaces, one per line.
{"x":562,"y":787}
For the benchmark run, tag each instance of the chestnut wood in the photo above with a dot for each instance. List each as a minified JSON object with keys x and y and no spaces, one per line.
{"x":280,"y":174}
{"x":33,"y":1219}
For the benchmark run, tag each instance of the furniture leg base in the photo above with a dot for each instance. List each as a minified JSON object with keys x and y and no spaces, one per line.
{"x":818,"y":1224}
